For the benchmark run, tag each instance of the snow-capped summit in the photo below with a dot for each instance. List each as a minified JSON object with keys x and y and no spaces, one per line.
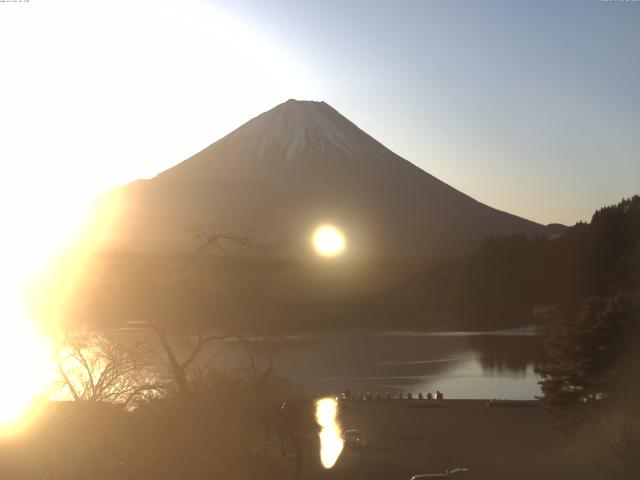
{"x":282,"y":133}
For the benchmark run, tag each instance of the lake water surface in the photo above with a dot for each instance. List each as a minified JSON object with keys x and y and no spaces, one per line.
{"x":460,"y":364}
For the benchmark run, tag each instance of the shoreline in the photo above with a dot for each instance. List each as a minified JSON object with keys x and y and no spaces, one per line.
{"x":494,"y":443}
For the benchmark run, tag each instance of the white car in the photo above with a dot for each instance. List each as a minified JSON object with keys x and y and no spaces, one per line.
{"x":453,"y":472}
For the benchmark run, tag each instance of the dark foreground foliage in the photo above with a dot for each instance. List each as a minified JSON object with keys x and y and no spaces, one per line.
{"x":231,"y":429}
{"x":590,"y":380}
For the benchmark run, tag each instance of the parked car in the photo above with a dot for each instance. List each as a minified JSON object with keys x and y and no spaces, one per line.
{"x":459,"y":472}
{"x":352,"y":438}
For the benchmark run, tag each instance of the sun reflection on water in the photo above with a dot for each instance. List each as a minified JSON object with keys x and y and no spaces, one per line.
{"x":331,"y":442}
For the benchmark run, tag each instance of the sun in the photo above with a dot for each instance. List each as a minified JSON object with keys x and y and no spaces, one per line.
{"x":328,"y":241}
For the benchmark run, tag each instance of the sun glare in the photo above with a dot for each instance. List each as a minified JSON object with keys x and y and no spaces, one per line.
{"x":331,"y":442}
{"x":102,"y":101}
{"x":25,"y":368}
{"x":328,"y":241}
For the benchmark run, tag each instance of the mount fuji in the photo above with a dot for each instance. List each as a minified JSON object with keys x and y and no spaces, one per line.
{"x":298,"y":165}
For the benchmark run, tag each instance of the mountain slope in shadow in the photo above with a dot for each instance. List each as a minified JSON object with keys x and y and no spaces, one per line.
{"x":299,"y":165}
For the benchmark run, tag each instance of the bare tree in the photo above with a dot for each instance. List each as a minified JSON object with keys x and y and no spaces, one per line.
{"x":212,"y":237}
{"x":111,"y":367}
{"x":209,"y":238}
{"x":179,"y":369}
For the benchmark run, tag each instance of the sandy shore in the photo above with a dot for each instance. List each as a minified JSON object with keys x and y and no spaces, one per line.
{"x":495,"y":443}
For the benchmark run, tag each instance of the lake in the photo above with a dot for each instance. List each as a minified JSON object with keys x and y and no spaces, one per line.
{"x":497,"y":364}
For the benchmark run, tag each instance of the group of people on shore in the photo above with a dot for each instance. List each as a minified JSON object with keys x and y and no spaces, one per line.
{"x":348,"y":395}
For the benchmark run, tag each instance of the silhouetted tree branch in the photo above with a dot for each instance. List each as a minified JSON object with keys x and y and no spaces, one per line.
{"x":106,"y":367}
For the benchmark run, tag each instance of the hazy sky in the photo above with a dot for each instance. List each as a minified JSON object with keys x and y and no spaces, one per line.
{"x":531,"y":107}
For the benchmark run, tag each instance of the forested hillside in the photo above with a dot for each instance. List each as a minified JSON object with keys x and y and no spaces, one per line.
{"x":512,"y":279}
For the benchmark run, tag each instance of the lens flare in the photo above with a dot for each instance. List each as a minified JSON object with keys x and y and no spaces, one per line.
{"x":331,"y":442}
{"x":328,"y":241}
{"x":25,"y":368}
{"x":36,"y":281}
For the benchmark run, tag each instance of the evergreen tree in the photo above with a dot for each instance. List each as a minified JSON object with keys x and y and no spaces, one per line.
{"x":586,"y":353}
{"x":590,"y":380}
